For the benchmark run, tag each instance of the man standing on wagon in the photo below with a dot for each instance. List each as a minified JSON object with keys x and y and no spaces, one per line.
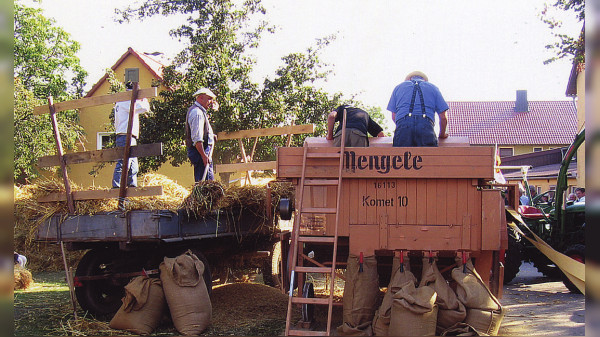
{"x":414,"y":104}
{"x":199,"y":135}
{"x":121,"y":122}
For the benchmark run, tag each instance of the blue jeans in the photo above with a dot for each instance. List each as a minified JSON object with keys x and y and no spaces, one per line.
{"x":415,"y":131}
{"x":133,"y":165}
{"x":198,"y":163}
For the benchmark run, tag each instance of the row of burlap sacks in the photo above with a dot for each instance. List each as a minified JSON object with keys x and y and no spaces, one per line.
{"x":180,"y":290}
{"x":410,"y":308}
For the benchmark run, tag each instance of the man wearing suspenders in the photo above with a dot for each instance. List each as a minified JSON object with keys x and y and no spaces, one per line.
{"x":414,"y":104}
{"x":199,"y":135}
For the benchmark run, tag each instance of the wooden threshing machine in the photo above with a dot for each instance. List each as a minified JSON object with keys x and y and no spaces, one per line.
{"x":391,"y":202}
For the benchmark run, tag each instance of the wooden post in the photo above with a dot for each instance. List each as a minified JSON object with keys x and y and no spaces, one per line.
{"x":59,"y":152}
{"x":125,"y":166}
{"x":289,"y":140}
{"x":248,"y":179}
{"x":68,"y":272}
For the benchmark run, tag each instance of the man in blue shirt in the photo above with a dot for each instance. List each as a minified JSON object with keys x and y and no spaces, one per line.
{"x":414,"y":104}
{"x":199,"y":134}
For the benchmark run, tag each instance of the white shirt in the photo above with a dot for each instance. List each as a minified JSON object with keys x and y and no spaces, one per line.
{"x":122,"y":116}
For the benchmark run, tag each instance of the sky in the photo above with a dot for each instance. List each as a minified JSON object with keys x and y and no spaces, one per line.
{"x":473,"y":50}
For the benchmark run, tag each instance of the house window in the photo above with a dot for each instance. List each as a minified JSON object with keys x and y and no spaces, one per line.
{"x":506,"y":151}
{"x":132,"y":74}
{"x":104,"y":140}
{"x":538,"y":149}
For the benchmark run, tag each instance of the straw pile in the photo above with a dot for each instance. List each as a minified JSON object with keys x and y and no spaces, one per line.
{"x":23,"y":278}
{"x":204,"y":197}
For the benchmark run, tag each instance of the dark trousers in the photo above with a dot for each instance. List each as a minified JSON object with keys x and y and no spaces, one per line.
{"x":198,"y":163}
{"x":415,"y":130}
{"x":133,"y":165}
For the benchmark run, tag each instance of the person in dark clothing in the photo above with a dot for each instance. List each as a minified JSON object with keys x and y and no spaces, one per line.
{"x":358,"y":125}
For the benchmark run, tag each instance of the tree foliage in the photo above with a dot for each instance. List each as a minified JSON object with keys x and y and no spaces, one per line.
{"x":44,"y":64}
{"x":33,"y":134}
{"x":565,"y":45}
{"x":219,"y":35}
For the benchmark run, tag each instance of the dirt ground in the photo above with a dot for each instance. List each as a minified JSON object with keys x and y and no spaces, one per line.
{"x":535,"y":306}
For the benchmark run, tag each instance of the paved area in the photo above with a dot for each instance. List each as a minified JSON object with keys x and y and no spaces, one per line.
{"x":539,"y":306}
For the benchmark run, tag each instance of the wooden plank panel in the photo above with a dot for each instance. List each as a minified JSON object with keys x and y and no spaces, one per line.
{"x":441,"y":201}
{"x":372,"y":194}
{"x":362,"y":209}
{"x":276,"y":131}
{"x":93,"y":101}
{"x":475,"y":211}
{"x":452,"y":202}
{"x":421,"y":201}
{"x":463,"y":211}
{"x":354,"y":201}
{"x":243,"y":167}
{"x":398,"y":216}
{"x":343,"y":229}
{"x":411,"y":193}
{"x":431,"y":201}
{"x":491,"y":219}
{"x":104,"y":194}
{"x":420,"y":237}
{"x":112,"y":154}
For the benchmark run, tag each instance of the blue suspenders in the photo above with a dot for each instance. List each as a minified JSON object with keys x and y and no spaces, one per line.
{"x":412,"y":101}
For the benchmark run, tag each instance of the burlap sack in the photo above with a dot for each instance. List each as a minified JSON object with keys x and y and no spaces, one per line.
{"x":461,"y":329}
{"x":361,"y":292}
{"x":186,"y":293}
{"x":381,"y":320}
{"x":414,"y":312}
{"x":484,"y":312}
{"x":450,"y":309}
{"x":143,"y":306}
{"x":361,"y":330}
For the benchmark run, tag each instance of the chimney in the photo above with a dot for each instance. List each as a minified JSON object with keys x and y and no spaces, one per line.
{"x":521,"y":104}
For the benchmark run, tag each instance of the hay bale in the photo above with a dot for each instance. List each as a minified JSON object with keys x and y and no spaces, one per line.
{"x":23,"y":278}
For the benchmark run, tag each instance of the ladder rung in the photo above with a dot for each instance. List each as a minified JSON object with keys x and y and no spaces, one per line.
{"x":318,"y":210}
{"x":313,"y":269}
{"x":321,"y":182}
{"x":323,"y":239}
{"x":311,"y":300}
{"x":297,"y":332}
{"x":323,"y":155}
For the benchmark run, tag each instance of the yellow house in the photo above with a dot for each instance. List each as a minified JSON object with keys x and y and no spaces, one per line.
{"x":132,"y":66}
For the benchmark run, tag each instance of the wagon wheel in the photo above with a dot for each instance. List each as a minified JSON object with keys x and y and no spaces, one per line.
{"x":308,"y":310}
{"x":103,"y":295}
{"x":512,"y":259}
{"x":271,"y":269}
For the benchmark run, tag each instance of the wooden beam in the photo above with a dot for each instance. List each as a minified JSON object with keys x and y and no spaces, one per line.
{"x":93,"y":101}
{"x":244,"y":167}
{"x":277,"y":131}
{"x":104,"y":194}
{"x":125,"y":162}
{"x":112,"y":154}
{"x":59,"y":154}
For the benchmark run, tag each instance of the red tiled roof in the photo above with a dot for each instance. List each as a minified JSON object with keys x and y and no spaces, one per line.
{"x":488,"y":123}
{"x":154,"y":66}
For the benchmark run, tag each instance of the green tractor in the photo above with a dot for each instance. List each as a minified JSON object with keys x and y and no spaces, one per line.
{"x":558,"y":222}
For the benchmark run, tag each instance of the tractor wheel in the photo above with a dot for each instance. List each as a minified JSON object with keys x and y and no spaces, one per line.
{"x":577,"y":253}
{"x":546,"y":267}
{"x":512,"y":259}
{"x":101,"y":296}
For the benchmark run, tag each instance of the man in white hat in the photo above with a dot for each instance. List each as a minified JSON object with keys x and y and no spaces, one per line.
{"x":199,"y":135}
{"x":414,"y":104}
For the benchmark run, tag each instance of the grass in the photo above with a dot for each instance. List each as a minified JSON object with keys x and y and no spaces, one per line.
{"x":239,"y":309}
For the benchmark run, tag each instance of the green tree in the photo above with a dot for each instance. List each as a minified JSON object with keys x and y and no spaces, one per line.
{"x":45,"y":56}
{"x":565,"y":45}
{"x":33,"y":135}
{"x":219,"y":36}
{"x":44,"y":64}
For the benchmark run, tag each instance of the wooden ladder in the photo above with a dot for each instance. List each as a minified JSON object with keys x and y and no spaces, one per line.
{"x":297,"y":239}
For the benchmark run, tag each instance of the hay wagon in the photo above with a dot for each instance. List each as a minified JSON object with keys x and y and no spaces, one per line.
{"x":391,"y":203}
{"x":123,"y":245}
